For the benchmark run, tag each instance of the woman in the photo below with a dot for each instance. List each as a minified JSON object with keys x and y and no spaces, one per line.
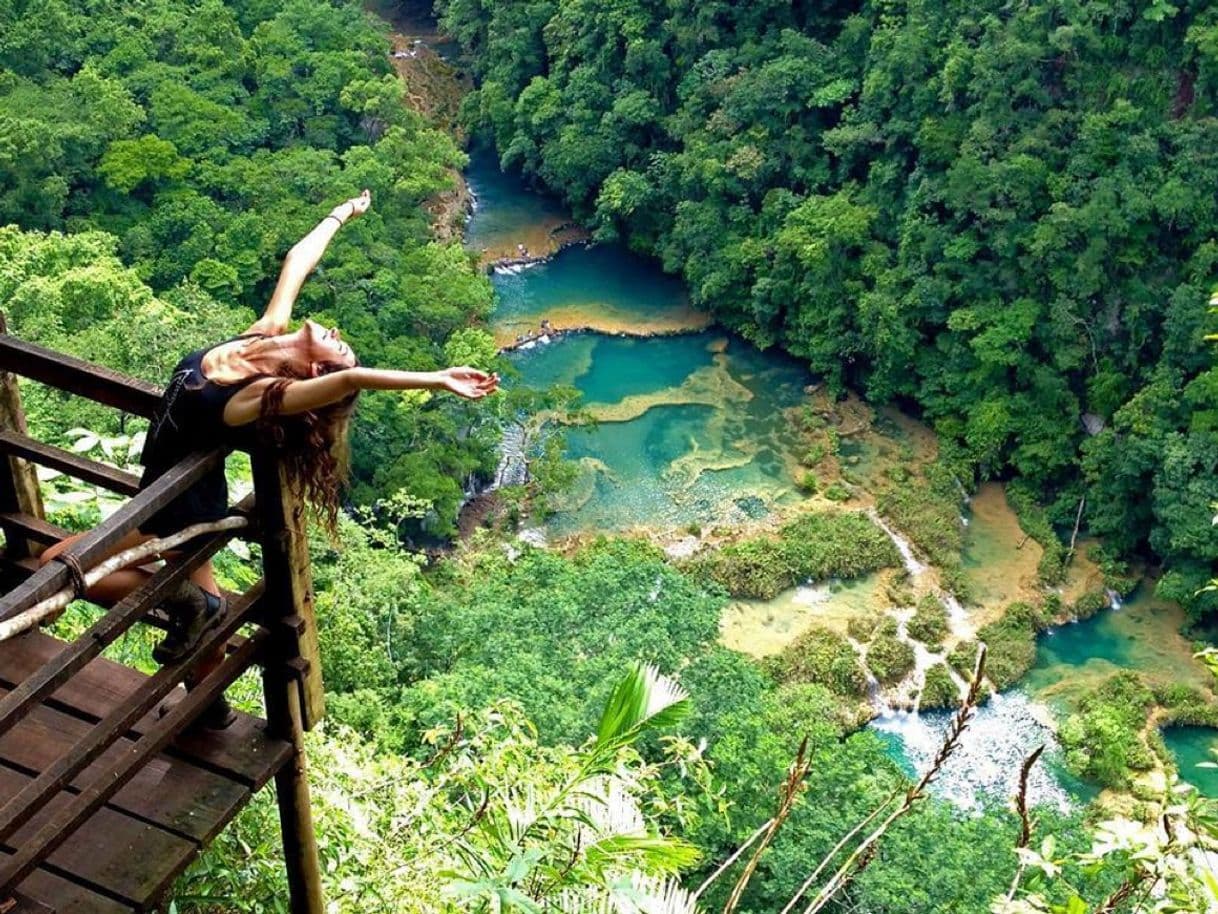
{"x":293,"y":391}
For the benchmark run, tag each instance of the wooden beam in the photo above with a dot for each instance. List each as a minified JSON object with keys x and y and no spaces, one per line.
{"x":292,"y":675}
{"x":289,"y":580}
{"x":78,"y":376}
{"x":19,"y":490}
{"x":292,"y":796}
{"x":74,"y":465}
{"x":31,"y":527}
{"x":102,"y":540}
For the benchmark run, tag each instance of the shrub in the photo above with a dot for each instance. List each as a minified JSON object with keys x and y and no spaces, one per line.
{"x":889,"y":658}
{"x":821,"y":656}
{"x":940,"y":690}
{"x":1089,"y":604}
{"x":929,"y":623}
{"x":815,"y":546}
{"x":861,"y":628}
{"x":1103,"y":740}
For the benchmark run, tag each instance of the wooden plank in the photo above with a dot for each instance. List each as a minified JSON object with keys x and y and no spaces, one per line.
{"x":100,"y":542}
{"x":114,"y":854}
{"x":78,"y":376}
{"x":23,"y":904}
{"x":171,"y":793}
{"x":48,"y":455}
{"x":35,"y":795}
{"x":31,"y":527}
{"x":244,"y":751}
{"x":75,"y":813}
{"x":67,"y":897}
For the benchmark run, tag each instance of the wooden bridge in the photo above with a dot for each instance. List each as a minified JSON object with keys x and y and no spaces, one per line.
{"x":103,"y":802}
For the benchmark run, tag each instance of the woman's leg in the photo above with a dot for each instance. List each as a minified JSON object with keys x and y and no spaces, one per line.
{"x":114,"y":586}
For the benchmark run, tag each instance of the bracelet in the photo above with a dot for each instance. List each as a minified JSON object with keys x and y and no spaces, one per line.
{"x":335,"y":218}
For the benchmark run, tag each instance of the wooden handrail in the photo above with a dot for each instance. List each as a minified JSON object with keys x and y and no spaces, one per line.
{"x":74,"y":465}
{"x":284,"y":641}
{"x":78,"y":376}
{"x":100,"y":542}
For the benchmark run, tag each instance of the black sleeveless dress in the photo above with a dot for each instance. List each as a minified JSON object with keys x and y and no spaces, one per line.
{"x":191,"y":418}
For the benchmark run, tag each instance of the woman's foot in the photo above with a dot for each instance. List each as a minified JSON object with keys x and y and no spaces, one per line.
{"x":193,"y":612}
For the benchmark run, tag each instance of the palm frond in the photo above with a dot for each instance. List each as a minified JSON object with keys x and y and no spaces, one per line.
{"x":645,"y":697}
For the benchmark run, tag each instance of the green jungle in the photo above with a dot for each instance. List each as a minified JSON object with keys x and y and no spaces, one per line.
{"x":839,"y":341}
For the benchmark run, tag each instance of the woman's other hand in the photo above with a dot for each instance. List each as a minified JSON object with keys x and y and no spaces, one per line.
{"x":469,"y":383}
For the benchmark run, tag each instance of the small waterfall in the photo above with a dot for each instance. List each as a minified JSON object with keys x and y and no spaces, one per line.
{"x":912,"y":565}
{"x":513,"y":467}
{"x":1114,"y":599}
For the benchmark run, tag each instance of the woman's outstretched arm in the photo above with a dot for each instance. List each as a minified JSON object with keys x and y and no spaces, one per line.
{"x":314,"y":393}
{"x":300,"y":262}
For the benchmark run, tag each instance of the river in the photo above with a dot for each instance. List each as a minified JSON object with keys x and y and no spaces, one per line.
{"x":694,"y":433}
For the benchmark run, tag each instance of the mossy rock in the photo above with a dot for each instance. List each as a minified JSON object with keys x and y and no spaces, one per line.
{"x":862,"y":628}
{"x":821,"y":656}
{"x":889,"y":659}
{"x":940,"y":690}
{"x":1089,"y":604}
{"x":929,"y":623}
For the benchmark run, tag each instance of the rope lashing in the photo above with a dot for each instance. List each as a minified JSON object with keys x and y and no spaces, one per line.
{"x":82,"y":581}
{"x":75,"y":572}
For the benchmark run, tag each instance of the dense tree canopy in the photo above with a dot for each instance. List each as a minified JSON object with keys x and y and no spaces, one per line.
{"x":204,"y":141}
{"x":1003,"y":214}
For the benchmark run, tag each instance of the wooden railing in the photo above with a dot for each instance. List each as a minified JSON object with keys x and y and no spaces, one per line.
{"x":271,"y":625}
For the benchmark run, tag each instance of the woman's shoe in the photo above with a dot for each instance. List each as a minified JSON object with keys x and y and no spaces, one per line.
{"x":219,"y":715}
{"x":193,"y":612}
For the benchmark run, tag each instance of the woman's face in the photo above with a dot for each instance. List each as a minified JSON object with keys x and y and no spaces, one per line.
{"x":320,"y":344}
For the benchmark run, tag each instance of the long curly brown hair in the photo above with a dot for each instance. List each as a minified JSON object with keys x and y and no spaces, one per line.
{"x":312,"y":445}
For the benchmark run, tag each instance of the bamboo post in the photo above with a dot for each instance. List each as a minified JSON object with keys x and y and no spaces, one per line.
{"x":292,"y":677}
{"x":19,"y":491}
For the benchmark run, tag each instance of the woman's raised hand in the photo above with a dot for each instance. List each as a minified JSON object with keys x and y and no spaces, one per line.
{"x":350,"y":209}
{"x":469,"y":383}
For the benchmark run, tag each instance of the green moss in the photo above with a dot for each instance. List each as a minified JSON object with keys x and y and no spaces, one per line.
{"x":889,"y":659}
{"x":940,"y":690}
{"x":929,"y":623}
{"x":837,"y":491}
{"x":1034,"y":521}
{"x":1011,"y":644}
{"x":928,"y":512}
{"x":821,"y":656}
{"x":861,"y":628}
